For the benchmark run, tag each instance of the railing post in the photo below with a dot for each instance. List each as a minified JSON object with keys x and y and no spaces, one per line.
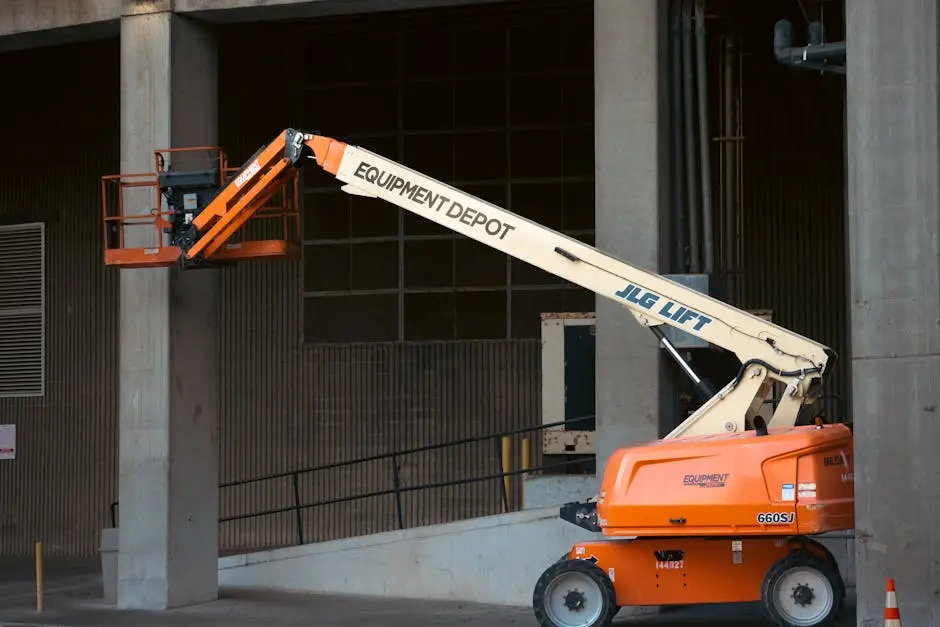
{"x":526,"y":463}
{"x":396,"y":481}
{"x":297,"y":512}
{"x":502,"y":483}
{"x":507,"y":468}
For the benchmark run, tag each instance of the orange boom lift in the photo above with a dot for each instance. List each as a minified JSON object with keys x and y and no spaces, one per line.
{"x":722,"y":509}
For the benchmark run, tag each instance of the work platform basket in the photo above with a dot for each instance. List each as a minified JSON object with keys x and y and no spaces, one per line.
{"x":138,"y":218}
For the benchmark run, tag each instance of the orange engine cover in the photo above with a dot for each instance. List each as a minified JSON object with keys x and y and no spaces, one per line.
{"x":797,"y":480}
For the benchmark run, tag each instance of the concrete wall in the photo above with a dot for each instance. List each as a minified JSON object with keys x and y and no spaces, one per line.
{"x":554,"y":490}
{"x":893,"y":145}
{"x":78,"y":18}
{"x":169,"y":371}
{"x":627,"y":151}
{"x":842,"y":546}
{"x":228,"y":11}
{"x":36,"y":23}
{"x":22,"y":16}
{"x":496,"y":559}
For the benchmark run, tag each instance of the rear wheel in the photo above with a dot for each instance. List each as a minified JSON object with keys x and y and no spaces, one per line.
{"x":574,"y":593}
{"x":801,"y":590}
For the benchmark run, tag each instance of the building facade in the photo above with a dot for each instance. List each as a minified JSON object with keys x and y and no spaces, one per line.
{"x":391,"y":332}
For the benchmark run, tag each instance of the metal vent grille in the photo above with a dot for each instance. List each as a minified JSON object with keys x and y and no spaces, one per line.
{"x":22,"y":310}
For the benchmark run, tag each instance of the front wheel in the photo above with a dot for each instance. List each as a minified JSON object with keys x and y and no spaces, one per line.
{"x":801,"y":590}
{"x":574,"y":593}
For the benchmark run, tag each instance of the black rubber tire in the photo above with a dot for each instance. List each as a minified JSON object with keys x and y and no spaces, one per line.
{"x":801,"y":541}
{"x":582,"y":566}
{"x":802,"y":559}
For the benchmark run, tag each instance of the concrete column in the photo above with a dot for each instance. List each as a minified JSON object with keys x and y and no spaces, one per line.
{"x":168,"y":358}
{"x":893,"y":197}
{"x":627,"y":152}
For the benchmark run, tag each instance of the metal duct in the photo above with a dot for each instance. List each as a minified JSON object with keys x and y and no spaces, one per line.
{"x":677,"y":140}
{"x":816,"y":55}
{"x":701,"y":71}
{"x":688,"y":76}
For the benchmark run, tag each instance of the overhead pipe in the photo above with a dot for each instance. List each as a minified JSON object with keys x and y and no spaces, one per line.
{"x":708,"y":233}
{"x":676,"y":138}
{"x":816,"y":55}
{"x":688,"y":88}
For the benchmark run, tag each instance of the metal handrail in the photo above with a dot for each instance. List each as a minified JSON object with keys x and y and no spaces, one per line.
{"x":409,"y":451}
{"x":398,"y":489}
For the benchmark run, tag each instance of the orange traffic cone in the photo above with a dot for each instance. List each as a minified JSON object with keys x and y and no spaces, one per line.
{"x":892,"y":613}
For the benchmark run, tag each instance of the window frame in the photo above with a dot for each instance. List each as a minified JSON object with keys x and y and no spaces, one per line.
{"x":383,"y":141}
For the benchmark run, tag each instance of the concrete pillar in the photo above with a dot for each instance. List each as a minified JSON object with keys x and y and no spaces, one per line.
{"x":168,"y":358}
{"x":627,"y":152}
{"x":893,"y":196}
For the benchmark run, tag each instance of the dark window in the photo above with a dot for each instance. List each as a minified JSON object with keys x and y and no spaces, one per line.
{"x":351,"y":318}
{"x":540,"y":202}
{"x":371,"y":217}
{"x":527,"y":307}
{"x":326,"y":215}
{"x":478,"y":265}
{"x":480,"y":103}
{"x":480,"y":315}
{"x":374,"y":265}
{"x":479,"y":156}
{"x":429,"y":316}
{"x":429,"y":263}
{"x":326,"y":268}
{"x":505,"y":113}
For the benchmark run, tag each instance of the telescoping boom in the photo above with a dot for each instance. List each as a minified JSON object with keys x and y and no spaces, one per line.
{"x":767,"y":352}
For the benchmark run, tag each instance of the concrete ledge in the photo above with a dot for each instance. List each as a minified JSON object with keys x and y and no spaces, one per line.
{"x":241,"y":11}
{"x":542,"y":491}
{"x":24,"y":16}
{"x":495,"y":559}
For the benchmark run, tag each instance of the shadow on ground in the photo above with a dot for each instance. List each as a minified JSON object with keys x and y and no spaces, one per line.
{"x":73,"y":599}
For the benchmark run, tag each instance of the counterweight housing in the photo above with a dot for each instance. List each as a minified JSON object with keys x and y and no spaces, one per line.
{"x":792,"y":481}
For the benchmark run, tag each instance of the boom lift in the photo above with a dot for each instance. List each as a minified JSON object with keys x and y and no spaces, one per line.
{"x":719,"y":510}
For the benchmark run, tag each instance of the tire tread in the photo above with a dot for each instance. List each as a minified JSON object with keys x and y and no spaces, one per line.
{"x":578,"y":565}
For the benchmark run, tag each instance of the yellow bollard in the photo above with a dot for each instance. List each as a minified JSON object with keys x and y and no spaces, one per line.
{"x":39,"y":586}
{"x":507,"y":464}
{"x":526,"y":464}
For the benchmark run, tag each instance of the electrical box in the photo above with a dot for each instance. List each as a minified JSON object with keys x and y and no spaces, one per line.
{"x":568,"y":383}
{"x":568,"y":373}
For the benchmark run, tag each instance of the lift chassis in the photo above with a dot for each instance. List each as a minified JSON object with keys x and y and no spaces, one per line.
{"x":721,"y":509}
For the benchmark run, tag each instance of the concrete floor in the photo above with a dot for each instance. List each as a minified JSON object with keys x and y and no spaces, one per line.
{"x":73,"y":593}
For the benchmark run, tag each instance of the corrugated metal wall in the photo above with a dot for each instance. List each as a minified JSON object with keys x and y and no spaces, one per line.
{"x":340,"y":403}
{"x":59,"y":133}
